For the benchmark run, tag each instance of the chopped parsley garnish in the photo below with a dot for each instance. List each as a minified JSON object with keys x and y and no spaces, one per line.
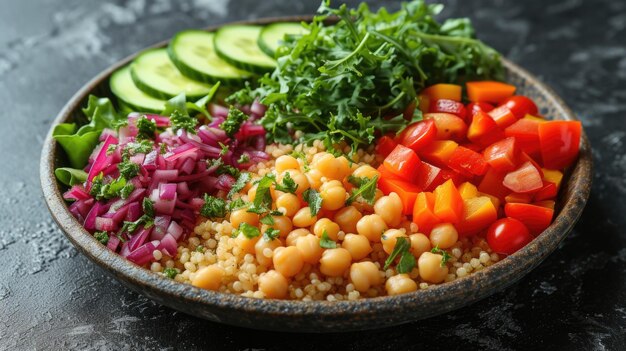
{"x":314,"y":199}
{"x":445,"y":256}
{"x":116,"y":187}
{"x":102,"y":237}
{"x":224,"y":148}
{"x":111,"y":149}
{"x":200,"y":248}
{"x":269,"y":220}
{"x":228,"y":169}
{"x":243,"y":159}
{"x":263,"y":198}
{"x":170,"y":272}
{"x":326,"y":242}
{"x":236,"y":204}
{"x":233,"y":121}
{"x":366,"y":189}
{"x":302,"y":156}
{"x":148,"y":207}
{"x":145,"y":128}
{"x":249,"y":231}
{"x":402,"y":250}
{"x":126,"y":190}
{"x":137,"y":147}
{"x":241,"y":182}
{"x":128,"y":169}
{"x":213,"y":207}
{"x":182,"y":121}
{"x":288,"y":185}
{"x":271,"y":234}
{"x":147,"y":219}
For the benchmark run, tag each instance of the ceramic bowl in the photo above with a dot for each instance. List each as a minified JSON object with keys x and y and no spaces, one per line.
{"x":324,"y":316}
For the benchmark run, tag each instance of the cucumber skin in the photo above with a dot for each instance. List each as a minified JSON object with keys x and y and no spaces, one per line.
{"x":192,"y":73}
{"x":266,"y":49}
{"x":129,"y":105}
{"x":260,"y":70}
{"x":147,"y":89}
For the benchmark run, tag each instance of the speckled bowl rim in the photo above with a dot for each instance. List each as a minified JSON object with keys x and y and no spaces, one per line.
{"x":362,"y":314}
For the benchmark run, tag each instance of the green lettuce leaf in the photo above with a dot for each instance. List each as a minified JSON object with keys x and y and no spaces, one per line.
{"x":70,"y":176}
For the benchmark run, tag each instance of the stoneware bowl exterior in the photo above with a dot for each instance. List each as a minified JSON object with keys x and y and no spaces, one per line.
{"x":298,"y":316}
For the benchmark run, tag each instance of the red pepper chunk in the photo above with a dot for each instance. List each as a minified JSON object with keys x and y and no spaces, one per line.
{"x":449,"y":106}
{"x":535,"y":218}
{"x":521,"y":106}
{"x":560,"y":143}
{"x":385,"y":145}
{"x":403,"y":162}
{"x":483,"y":130}
{"x":417,"y":135}
{"x":502,"y":155}
{"x":464,"y":160}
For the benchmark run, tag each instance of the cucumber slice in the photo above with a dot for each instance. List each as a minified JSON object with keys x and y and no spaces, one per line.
{"x":272,"y":35}
{"x":192,"y":52}
{"x":154,"y":73}
{"x":237,"y":45}
{"x":126,"y":91}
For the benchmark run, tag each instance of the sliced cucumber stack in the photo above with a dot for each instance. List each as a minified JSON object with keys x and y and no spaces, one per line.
{"x":193,"y":54}
{"x":154,"y":73}
{"x":237,"y":45}
{"x":272,"y":35}
{"x":124,"y":88}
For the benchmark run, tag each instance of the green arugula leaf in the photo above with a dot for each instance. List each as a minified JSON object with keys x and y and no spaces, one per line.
{"x":407,"y":263}
{"x":401,"y":247}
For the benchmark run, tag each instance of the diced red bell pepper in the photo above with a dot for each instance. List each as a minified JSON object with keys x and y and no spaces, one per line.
{"x":429,"y":177}
{"x":449,"y":106}
{"x":520,"y":106}
{"x":526,"y":178}
{"x":526,"y":133}
{"x":424,"y":212}
{"x":403,"y":162}
{"x":518,"y":198}
{"x":560,"y":143}
{"x":502,"y":155}
{"x":448,"y":126}
{"x":456,"y":177}
{"x":503,"y":116}
{"x":439,"y":152}
{"x":492,"y":184}
{"x":385,"y":145}
{"x":483,"y":130}
{"x":405,"y":190}
{"x":489,"y":91}
{"x":443,"y":91}
{"x":464,"y":160}
{"x":536,"y":218}
{"x":548,"y":192}
{"x":418,"y":134}
{"x":474,"y":107}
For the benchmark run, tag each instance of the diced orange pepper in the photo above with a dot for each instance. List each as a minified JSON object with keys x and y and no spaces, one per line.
{"x":443,"y":91}
{"x":552,"y":176}
{"x":448,"y":202}
{"x":489,"y":91}
{"x":492,"y":184}
{"x":423,"y":212}
{"x":405,"y":190}
{"x":494,"y":200}
{"x":439,"y":152}
{"x":518,"y":198}
{"x":468,"y":190}
{"x":478,"y":214}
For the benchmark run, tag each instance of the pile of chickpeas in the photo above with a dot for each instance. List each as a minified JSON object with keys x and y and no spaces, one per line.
{"x":294,"y":265}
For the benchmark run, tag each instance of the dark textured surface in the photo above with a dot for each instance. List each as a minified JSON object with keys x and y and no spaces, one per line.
{"x":50,"y":297}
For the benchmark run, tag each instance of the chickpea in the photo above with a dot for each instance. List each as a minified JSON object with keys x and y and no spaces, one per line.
{"x":273,"y":284}
{"x":400,"y":284}
{"x":364,"y":275}
{"x":335,"y":262}
{"x":389,"y":208}
{"x":309,"y":247}
{"x":372,"y":227}
{"x":358,"y":246}
{"x":314,"y":177}
{"x":419,"y":244}
{"x":286,"y":162}
{"x":289,"y":202}
{"x":247,"y":245}
{"x":365,"y":171}
{"x":444,"y":235}
{"x":303,"y":218}
{"x":333,"y":198}
{"x":299,"y":178}
{"x":209,"y":277}
{"x":243,"y":216}
{"x":347,"y":219}
{"x":287,"y":261}
{"x":260,"y":251}
{"x":281,"y":223}
{"x":325,"y":224}
{"x":429,"y":265}
{"x":389,"y":239}
{"x":252,"y":192}
{"x":330,"y":184}
{"x":293,"y":236}
{"x":329,"y":166}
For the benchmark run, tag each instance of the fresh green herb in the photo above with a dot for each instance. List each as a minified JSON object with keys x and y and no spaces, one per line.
{"x":213,"y":207}
{"x":268,"y":219}
{"x":233,"y":121}
{"x":338,"y":82}
{"x":102,"y":237}
{"x":126,"y":190}
{"x":243,"y":159}
{"x":235,"y":204}
{"x":288,"y":185}
{"x":183,"y":121}
{"x":241,"y":182}
{"x":326,"y":242}
{"x":314,"y":199}
{"x":263,"y":198}
{"x":163,"y":149}
{"x":111,"y":149}
{"x":128,"y":169}
{"x":170,"y":272}
{"x":302,"y":156}
{"x":148,"y":207}
{"x":276,"y":213}
{"x":366,"y":190}
{"x":445,"y":256}
{"x":117,"y":125}
{"x":228,"y":169}
{"x":224,"y":148}
{"x":402,"y":249}
{"x":101,"y":190}
{"x":241,"y":97}
{"x":147,"y":219}
{"x":249,"y":231}
{"x":137,"y":147}
{"x":271,"y":234}
{"x":200,"y":248}
{"x":145,"y":128}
